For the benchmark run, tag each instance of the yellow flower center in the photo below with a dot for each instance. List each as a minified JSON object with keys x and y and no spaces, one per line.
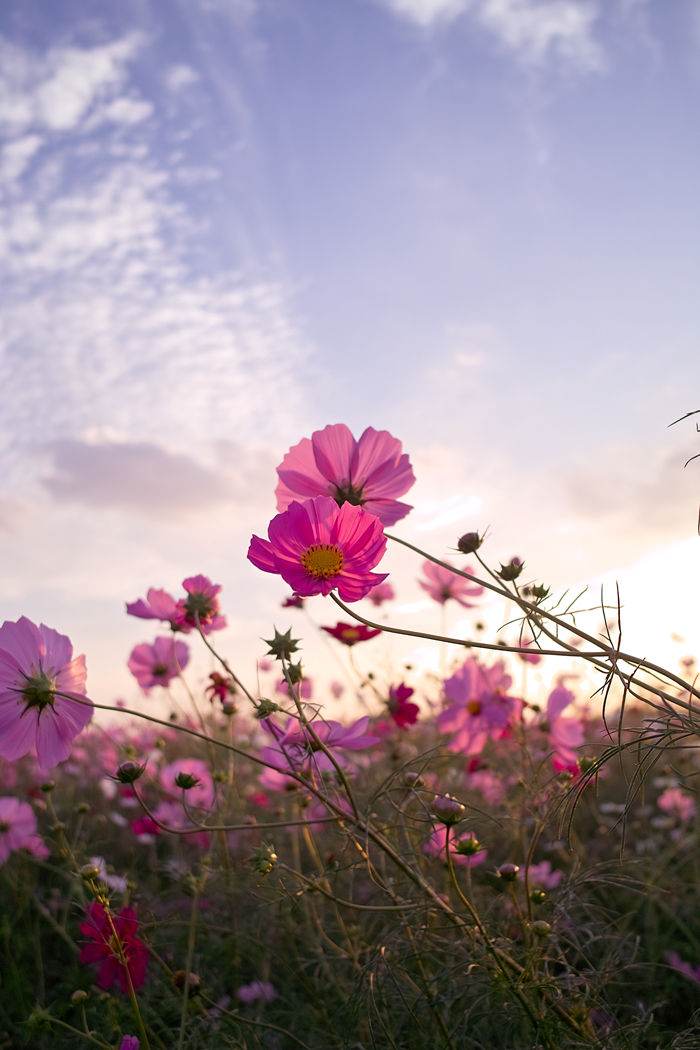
{"x":350,"y":634}
{"x":474,"y":707}
{"x":322,"y":561}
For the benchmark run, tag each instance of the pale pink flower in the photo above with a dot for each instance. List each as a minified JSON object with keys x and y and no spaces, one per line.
{"x":35,"y":845}
{"x":479,"y":707}
{"x":490,"y":787}
{"x":383,"y":592}
{"x":248,"y":993}
{"x":159,"y":663}
{"x":159,"y":605}
{"x":435,"y":847}
{"x":677,"y":804}
{"x":36,"y":665}
{"x":17,"y":826}
{"x":337,"y":688}
{"x":687,"y":969}
{"x":202,"y":795}
{"x":542,"y":875}
{"x":306,"y":689}
{"x":368,"y":473}
{"x":442,"y":585}
{"x":317,"y":546}
{"x":565,"y":734}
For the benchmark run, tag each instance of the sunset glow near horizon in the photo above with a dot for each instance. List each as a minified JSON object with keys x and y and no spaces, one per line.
{"x":228,"y":223}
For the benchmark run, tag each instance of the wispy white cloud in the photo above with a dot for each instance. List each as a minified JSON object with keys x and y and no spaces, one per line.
{"x":532,"y":30}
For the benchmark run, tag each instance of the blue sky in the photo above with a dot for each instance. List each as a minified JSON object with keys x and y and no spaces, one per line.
{"x":224,"y":224}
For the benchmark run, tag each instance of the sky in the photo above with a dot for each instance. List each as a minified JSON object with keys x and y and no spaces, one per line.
{"x":227,"y":223}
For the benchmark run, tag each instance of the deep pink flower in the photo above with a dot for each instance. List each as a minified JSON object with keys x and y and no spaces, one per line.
{"x":222,"y":686}
{"x":103,"y":952}
{"x":201,"y":598}
{"x":202,"y":795}
{"x":36,"y":663}
{"x":368,"y":473}
{"x":293,"y":602}
{"x":17,"y":826}
{"x":383,"y":592}
{"x":443,"y":585}
{"x":404,"y":713}
{"x":145,"y":826}
{"x":565,"y":734}
{"x":351,"y":633}
{"x":693,"y":972}
{"x":129,"y":1042}
{"x":317,"y":546}
{"x":159,"y":663}
{"x":677,"y":804}
{"x":435,"y":847}
{"x":248,"y":993}
{"x":479,"y":708}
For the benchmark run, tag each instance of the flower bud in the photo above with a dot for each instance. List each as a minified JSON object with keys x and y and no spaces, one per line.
{"x":186,"y":781}
{"x":264,"y":859}
{"x":540,"y":592}
{"x":541,"y":928}
{"x":58,"y":826}
{"x":129,"y":772}
{"x":585,"y":764}
{"x":48,"y":786}
{"x":82,"y":807}
{"x":512,"y":570}
{"x":469,"y":542}
{"x":266,"y":708}
{"x":179,"y":978}
{"x":508,"y":872}
{"x":538,"y":896}
{"x":413,"y":780}
{"x":467,"y":846}
{"x":447,"y":809}
{"x":79,"y":996}
{"x":229,"y":706}
{"x":89,"y":871}
{"x":218,"y":777}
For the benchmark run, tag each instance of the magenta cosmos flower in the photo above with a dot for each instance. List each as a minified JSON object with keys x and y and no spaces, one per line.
{"x":36,"y":664}
{"x":103,"y":951}
{"x":442,"y":585}
{"x":317,"y":547}
{"x":368,"y":473}
{"x":479,"y":708}
{"x":159,"y":663}
{"x":401,"y":710}
{"x":565,"y":734}
{"x":351,"y":633}
{"x":202,"y":600}
{"x":17,"y":827}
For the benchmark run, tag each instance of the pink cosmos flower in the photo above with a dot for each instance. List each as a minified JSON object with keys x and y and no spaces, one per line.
{"x":201,"y":598}
{"x":159,"y":663}
{"x":17,"y":826}
{"x":248,"y":993}
{"x":687,"y":969}
{"x":443,"y":585}
{"x":103,"y":952}
{"x":202,"y":795}
{"x":404,"y":713}
{"x":479,"y":708}
{"x":129,"y":1042}
{"x":565,"y":734}
{"x":36,"y":664}
{"x":677,"y":804}
{"x":542,"y":875}
{"x":435,"y":847}
{"x":383,"y":592}
{"x":317,"y":546}
{"x":351,"y":633}
{"x":337,"y":689}
{"x":294,"y":749}
{"x":368,"y":473}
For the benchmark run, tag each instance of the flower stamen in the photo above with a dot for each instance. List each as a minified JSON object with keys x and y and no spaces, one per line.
{"x":322,"y":561}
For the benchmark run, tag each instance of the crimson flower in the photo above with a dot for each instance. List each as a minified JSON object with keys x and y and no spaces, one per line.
{"x":317,"y":547}
{"x":368,"y":473}
{"x":351,"y":633}
{"x":442,"y":585}
{"x":221,"y":686}
{"x":104,"y":951}
{"x":159,"y":663}
{"x":403,"y":712}
{"x":36,"y":665}
{"x":479,"y":707}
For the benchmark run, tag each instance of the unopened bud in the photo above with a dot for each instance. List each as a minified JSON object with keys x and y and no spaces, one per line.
{"x":541,"y":928}
{"x":82,"y":807}
{"x":219,"y":778}
{"x":512,"y":570}
{"x":448,"y":809}
{"x":540,"y":592}
{"x":48,"y":786}
{"x":89,"y":871}
{"x":129,"y":772}
{"x":79,"y":996}
{"x":469,"y":542}
{"x":538,"y":896}
{"x":508,"y":872}
{"x":264,"y":860}
{"x":413,"y":780}
{"x":180,"y":977}
{"x":585,"y":764}
{"x":58,"y":826}
{"x":266,"y":708}
{"x":186,"y":781}
{"x":229,"y":706}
